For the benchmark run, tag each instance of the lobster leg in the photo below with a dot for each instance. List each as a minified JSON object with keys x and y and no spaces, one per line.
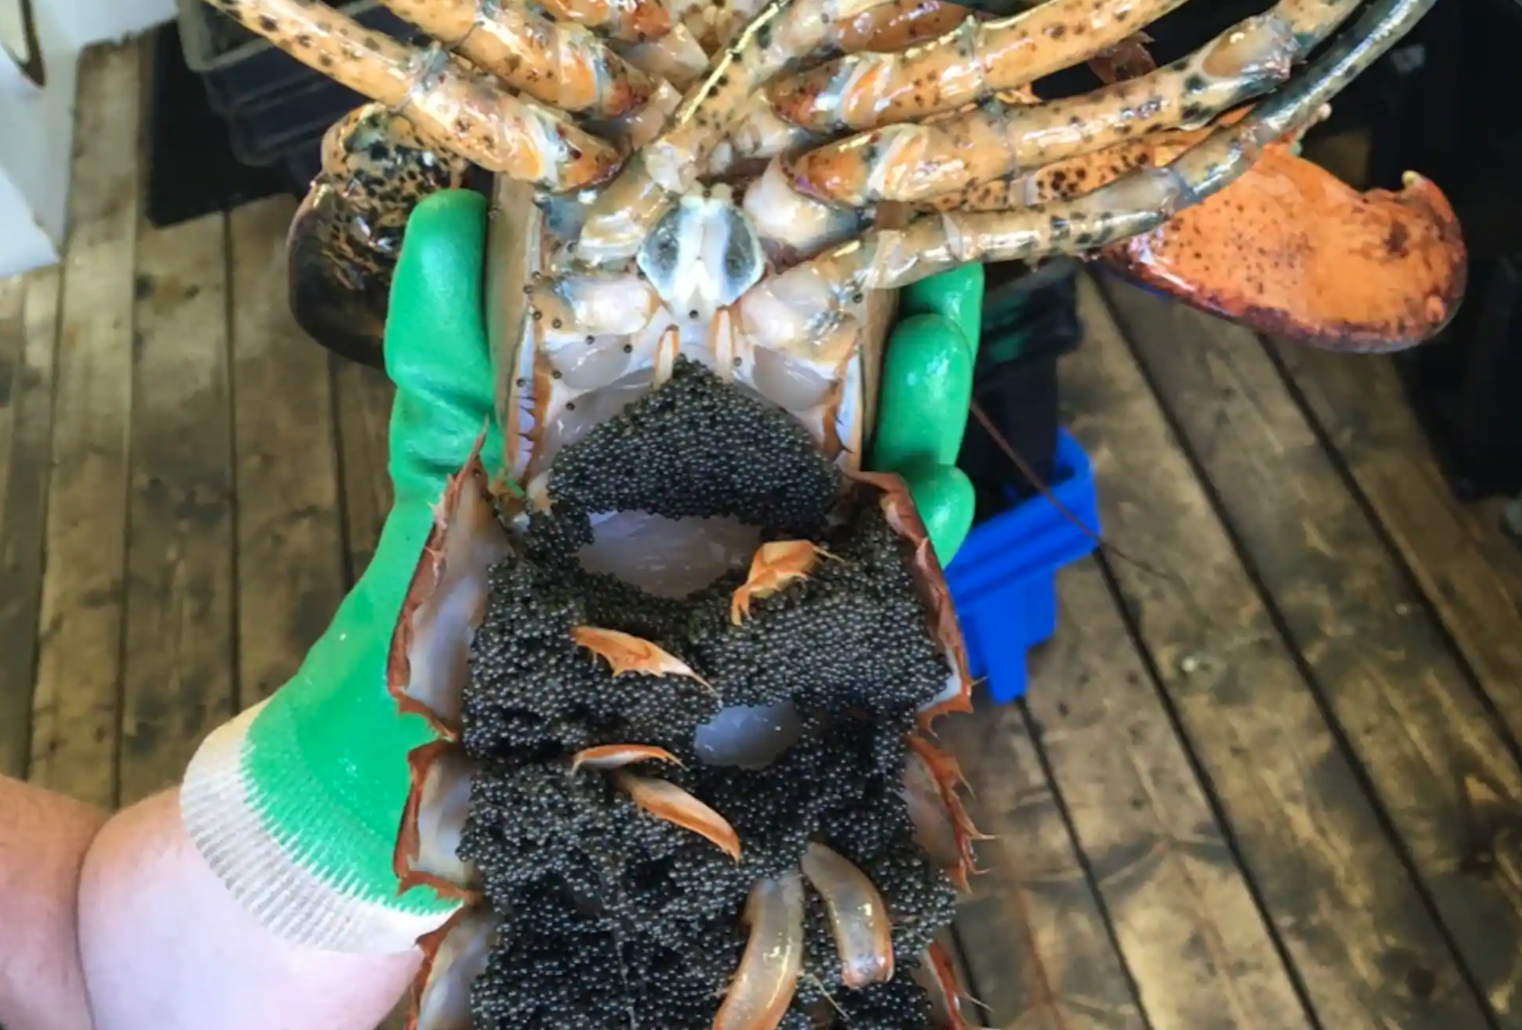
{"x":895,"y":25}
{"x":794,"y":225}
{"x":762,"y":134}
{"x":820,"y":290}
{"x":565,"y":66}
{"x":628,"y":21}
{"x":910,"y":162}
{"x":445,"y":100}
{"x":977,"y":58}
{"x":889,"y":26}
{"x":618,"y":222}
{"x":676,"y":56}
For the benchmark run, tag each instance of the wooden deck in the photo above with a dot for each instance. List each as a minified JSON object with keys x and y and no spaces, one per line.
{"x":1267,"y":777}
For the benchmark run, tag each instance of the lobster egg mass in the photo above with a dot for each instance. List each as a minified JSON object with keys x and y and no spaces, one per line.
{"x":649,"y":768}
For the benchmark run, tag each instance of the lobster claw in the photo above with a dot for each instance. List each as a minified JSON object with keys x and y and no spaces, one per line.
{"x":1291,"y":251}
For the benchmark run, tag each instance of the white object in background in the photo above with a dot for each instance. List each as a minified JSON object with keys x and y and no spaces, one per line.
{"x":84,"y":22}
{"x":37,"y":122}
{"x":21,"y":67}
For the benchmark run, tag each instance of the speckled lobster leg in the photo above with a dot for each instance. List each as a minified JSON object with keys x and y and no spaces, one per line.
{"x":894,"y":26}
{"x":565,"y":66}
{"x":629,"y":207}
{"x":628,"y":21}
{"x":911,"y":162}
{"x":1137,"y":202}
{"x":345,"y":238}
{"x":443,"y":98}
{"x":980,"y":57}
{"x":903,"y":23}
{"x":762,"y":135}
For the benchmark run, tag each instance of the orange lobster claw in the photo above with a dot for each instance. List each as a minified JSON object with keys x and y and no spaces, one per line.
{"x":1289,"y":250}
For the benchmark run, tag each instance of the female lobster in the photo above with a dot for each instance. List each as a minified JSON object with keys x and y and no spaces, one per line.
{"x":680,"y":654}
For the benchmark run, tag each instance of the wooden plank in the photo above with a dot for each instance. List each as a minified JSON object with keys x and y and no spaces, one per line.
{"x":1038,"y":952}
{"x":1357,"y":930}
{"x":178,"y":658}
{"x":23,"y":508}
{"x":289,"y":540}
{"x":364,"y":422}
{"x":1183,"y":912}
{"x":1467,"y":569}
{"x":1381,"y":662}
{"x":75,"y":706}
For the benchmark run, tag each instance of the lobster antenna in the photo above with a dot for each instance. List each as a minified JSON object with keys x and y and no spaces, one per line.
{"x":1035,"y":480}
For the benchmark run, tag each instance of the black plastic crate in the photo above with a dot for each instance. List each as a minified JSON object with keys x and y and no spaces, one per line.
{"x":1463,"y":387}
{"x":191,"y":170}
{"x":1030,"y":321}
{"x":243,"y":70}
{"x":300,"y":165}
{"x":262,"y":137}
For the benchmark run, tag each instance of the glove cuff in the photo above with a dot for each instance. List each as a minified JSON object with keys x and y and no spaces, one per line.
{"x":296,"y":861}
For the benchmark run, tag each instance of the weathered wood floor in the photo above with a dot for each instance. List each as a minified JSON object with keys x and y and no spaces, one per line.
{"x":1269,"y":782}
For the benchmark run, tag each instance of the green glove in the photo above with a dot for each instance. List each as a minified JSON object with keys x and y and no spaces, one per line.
{"x":923,"y":396}
{"x":296,"y":803}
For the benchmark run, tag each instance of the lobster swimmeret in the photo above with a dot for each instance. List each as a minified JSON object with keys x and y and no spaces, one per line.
{"x":681,"y":653}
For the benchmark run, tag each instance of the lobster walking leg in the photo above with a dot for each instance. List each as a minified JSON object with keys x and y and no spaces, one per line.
{"x":1137,"y":202}
{"x":628,"y":21}
{"x":677,"y":56}
{"x":909,"y":162}
{"x":762,"y":134}
{"x":621,"y":218}
{"x":565,"y":66}
{"x":896,"y":25}
{"x":444,"y":99}
{"x":970,"y":62}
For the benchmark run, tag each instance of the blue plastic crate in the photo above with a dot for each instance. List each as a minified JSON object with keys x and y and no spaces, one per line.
{"x":1003,"y":580}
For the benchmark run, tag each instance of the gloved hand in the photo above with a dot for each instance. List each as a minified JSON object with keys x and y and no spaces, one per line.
{"x":296,"y":803}
{"x":923,"y":394}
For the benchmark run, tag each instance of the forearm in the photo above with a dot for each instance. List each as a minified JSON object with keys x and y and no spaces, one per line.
{"x":128,"y":916}
{"x":43,"y":842}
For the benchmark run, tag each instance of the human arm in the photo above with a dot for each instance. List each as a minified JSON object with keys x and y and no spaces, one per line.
{"x":126,"y":915}
{"x":43,"y":842}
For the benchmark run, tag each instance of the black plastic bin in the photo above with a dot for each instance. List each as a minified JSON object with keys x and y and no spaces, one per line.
{"x":265,"y":135}
{"x":1463,"y":387}
{"x":1030,"y":320}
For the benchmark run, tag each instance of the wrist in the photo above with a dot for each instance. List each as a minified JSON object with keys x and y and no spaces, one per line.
{"x":296,"y":803}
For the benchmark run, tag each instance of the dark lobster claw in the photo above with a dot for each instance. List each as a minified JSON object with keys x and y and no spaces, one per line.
{"x":344,"y":241}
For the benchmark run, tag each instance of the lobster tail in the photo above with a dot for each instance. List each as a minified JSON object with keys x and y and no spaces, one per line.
{"x":768,"y":785}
